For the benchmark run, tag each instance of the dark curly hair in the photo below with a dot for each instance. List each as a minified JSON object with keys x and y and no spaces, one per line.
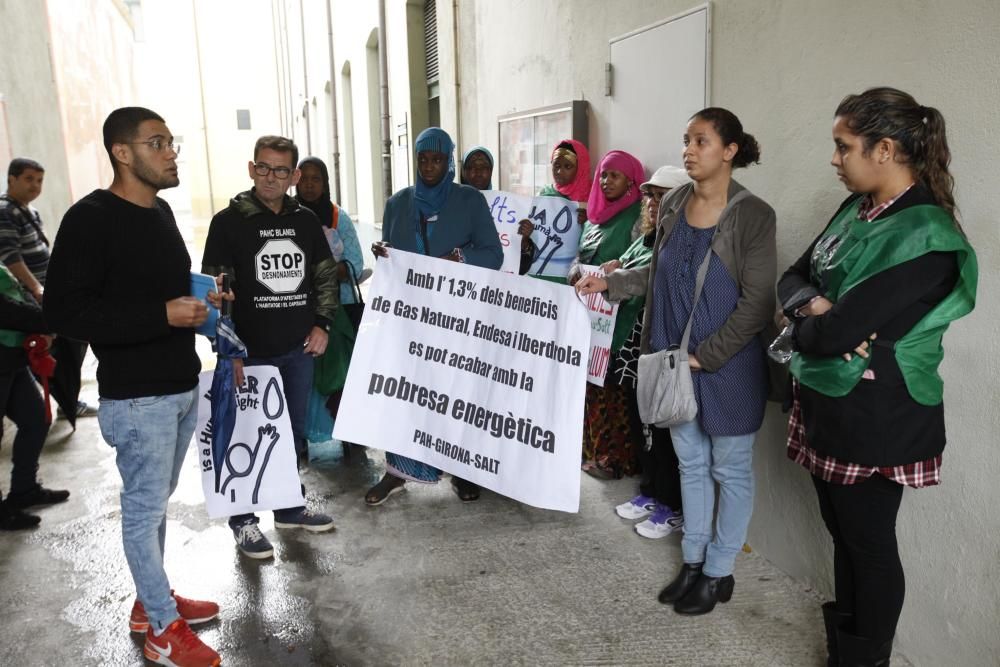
{"x":730,"y":129}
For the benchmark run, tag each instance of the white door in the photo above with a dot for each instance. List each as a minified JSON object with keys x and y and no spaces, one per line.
{"x":659,"y":78}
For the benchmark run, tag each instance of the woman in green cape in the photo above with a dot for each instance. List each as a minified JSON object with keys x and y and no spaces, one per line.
{"x":871,"y":299}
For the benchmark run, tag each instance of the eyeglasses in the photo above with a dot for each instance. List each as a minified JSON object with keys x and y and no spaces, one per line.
{"x":159,"y":145}
{"x":655,"y":196}
{"x":262,"y":169}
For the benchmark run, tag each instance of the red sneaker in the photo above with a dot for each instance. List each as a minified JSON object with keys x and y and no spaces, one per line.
{"x":192,"y":611}
{"x":179,"y":647}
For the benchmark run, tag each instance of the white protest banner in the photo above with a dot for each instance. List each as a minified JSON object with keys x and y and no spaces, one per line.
{"x":476,"y":372}
{"x":602,"y":327}
{"x":556,"y":235}
{"x":258,"y":471}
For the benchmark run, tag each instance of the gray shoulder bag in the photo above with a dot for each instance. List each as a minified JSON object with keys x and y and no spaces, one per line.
{"x":665,"y":392}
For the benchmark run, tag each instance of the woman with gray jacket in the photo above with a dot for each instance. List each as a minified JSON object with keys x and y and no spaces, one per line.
{"x":718,"y":218}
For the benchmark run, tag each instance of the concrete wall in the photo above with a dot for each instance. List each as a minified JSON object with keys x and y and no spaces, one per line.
{"x":30,"y":98}
{"x":92,"y":53}
{"x":783,"y":67}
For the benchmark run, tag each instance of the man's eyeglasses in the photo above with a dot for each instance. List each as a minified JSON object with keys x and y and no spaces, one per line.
{"x":159,"y":145}
{"x":262,"y":169}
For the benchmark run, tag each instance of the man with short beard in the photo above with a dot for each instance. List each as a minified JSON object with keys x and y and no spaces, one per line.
{"x":120,"y":278}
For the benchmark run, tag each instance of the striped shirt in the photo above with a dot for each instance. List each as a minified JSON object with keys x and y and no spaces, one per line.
{"x":22,"y":238}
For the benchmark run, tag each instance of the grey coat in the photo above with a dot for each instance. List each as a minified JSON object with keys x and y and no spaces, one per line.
{"x":745,"y":242}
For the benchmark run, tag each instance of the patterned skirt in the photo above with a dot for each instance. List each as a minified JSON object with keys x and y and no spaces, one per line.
{"x":608,"y":441}
{"x":411,"y":470}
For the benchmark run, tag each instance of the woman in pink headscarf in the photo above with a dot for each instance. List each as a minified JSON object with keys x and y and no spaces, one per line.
{"x":571,"y":180}
{"x":614,"y":209}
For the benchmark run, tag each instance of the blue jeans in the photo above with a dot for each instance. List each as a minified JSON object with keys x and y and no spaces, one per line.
{"x":150,"y":436}
{"x":704,"y":461}
{"x":296,"y":370}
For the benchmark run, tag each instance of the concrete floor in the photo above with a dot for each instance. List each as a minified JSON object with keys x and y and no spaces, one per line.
{"x":424,"y":579}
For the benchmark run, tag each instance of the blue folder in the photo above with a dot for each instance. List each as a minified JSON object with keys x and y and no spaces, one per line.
{"x":201,"y":285}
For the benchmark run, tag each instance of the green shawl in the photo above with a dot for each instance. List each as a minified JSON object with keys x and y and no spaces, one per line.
{"x":868,"y":248}
{"x":10,"y":288}
{"x":637,"y":256}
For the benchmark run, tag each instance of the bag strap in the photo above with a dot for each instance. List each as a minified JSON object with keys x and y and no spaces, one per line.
{"x":699,"y":281}
{"x":352,"y":275}
{"x":336,"y":217}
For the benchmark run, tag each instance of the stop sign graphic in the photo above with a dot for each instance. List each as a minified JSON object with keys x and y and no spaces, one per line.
{"x":280,"y":266}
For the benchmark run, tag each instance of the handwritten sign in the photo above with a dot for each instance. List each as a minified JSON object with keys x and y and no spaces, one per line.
{"x":259,"y":470}
{"x":602,"y":327}
{"x":474,"y":372}
{"x":556,"y":231}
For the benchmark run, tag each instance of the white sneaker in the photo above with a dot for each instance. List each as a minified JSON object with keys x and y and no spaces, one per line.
{"x":663,"y":522}
{"x":637,"y":508}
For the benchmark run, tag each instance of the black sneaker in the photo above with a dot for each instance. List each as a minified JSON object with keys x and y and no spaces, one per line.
{"x":12,"y":518}
{"x":37,"y":496}
{"x":252,"y":542}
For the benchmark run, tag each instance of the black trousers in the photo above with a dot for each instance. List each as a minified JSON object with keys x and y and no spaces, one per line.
{"x":22,"y":404}
{"x":868,"y":575}
{"x":661,"y":477}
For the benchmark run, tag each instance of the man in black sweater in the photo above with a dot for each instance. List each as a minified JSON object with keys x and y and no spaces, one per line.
{"x":286,"y":295}
{"x":119,"y":278}
{"x":22,"y":404}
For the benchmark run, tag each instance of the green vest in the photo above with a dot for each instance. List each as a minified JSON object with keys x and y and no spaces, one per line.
{"x":868,"y":248}
{"x":10,"y":288}
{"x":637,"y":256}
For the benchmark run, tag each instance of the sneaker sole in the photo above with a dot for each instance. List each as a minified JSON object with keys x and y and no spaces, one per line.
{"x":654,"y":535}
{"x":134,"y":626}
{"x":159,"y":659}
{"x":322,"y":528}
{"x":42,"y":503}
{"x":632,"y":517}
{"x":258,"y":555}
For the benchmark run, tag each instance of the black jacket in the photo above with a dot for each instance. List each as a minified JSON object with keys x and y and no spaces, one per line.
{"x":285,"y":279}
{"x":878,"y":423}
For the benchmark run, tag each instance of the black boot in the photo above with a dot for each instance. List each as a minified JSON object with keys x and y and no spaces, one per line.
{"x":834,"y":620}
{"x":14,"y":518}
{"x":681,"y":584}
{"x":706,"y":592}
{"x":863,"y":652}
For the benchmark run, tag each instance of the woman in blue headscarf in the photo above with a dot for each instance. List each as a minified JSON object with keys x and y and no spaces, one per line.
{"x":439,"y":218}
{"x":477,"y":168}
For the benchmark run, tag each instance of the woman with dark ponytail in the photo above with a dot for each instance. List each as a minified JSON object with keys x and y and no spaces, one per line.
{"x":716,"y":239}
{"x":871,"y":299}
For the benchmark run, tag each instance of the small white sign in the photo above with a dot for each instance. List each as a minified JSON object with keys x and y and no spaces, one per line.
{"x":556,"y":231}
{"x":603,"y":314}
{"x":259,"y":470}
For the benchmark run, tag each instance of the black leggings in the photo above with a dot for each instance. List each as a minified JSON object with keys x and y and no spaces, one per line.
{"x":661,"y":476}
{"x":868,"y":575}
